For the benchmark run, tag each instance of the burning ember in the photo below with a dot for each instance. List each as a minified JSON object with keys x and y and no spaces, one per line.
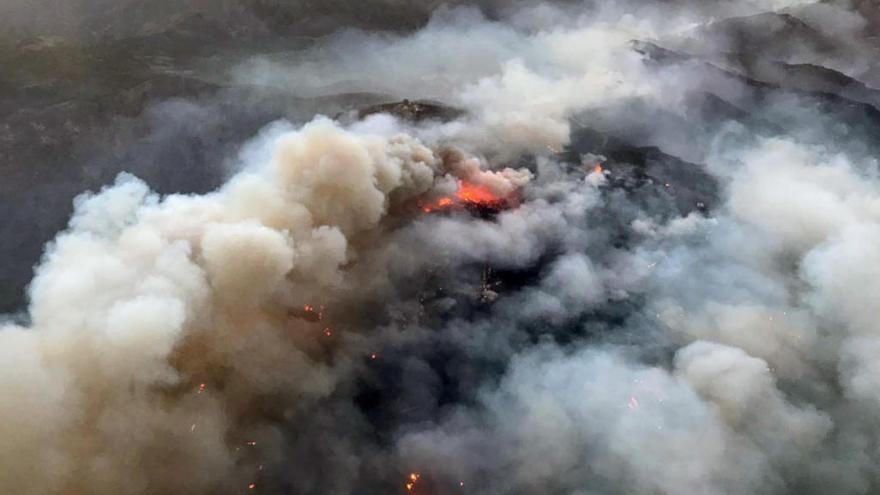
{"x":308,"y":312}
{"x":412,"y":480}
{"x":469,"y":195}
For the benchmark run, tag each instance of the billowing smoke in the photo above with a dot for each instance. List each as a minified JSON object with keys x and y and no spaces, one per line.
{"x":633,"y":256}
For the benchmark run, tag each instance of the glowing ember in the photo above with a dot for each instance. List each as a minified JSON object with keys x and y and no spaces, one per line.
{"x":440,"y":204}
{"x":309,"y":313}
{"x":598,"y":169}
{"x":251,"y":443}
{"x":202,"y":387}
{"x":252,"y":486}
{"x":328,"y":332}
{"x":374,"y":356}
{"x":411,"y":483}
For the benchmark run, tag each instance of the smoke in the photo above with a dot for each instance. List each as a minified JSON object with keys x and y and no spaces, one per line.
{"x":143,"y":296}
{"x":612,"y":319}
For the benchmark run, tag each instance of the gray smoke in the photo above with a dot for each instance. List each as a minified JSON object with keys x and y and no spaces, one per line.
{"x":630,"y":322}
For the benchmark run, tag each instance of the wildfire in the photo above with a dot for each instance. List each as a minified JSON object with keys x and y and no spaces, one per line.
{"x":440,"y":204}
{"x":412,"y":480}
{"x":472,"y":193}
{"x":598,"y":169}
{"x":468,"y":194}
{"x":308,"y":312}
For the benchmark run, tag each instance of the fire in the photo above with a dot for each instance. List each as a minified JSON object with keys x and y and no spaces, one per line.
{"x":598,"y":169}
{"x":309,"y":312}
{"x":472,"y":193}
{"x":411,"y":483}
{"x":468,"y":194}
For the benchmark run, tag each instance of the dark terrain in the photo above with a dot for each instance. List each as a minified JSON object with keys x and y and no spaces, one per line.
{"x":121,"y":88}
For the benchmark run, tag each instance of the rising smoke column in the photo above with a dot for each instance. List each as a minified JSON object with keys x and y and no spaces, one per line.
{"x":156,"y":324}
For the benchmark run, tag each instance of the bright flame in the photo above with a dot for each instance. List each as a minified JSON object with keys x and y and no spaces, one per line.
{"x":413,"y":478}
{"x":467,"y":193}
{"x":598,"y":169}
{"x":472,"y":193}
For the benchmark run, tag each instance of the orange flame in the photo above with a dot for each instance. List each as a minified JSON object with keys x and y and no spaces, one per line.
{"x":413,"y":478}
{"x":467,"y":194}
{"x":472,"y":193}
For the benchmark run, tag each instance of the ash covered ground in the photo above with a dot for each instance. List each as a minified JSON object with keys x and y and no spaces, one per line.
{"x":416,"y":247}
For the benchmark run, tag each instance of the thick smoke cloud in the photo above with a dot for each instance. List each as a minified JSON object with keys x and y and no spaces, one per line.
{"x":629,"y":323}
